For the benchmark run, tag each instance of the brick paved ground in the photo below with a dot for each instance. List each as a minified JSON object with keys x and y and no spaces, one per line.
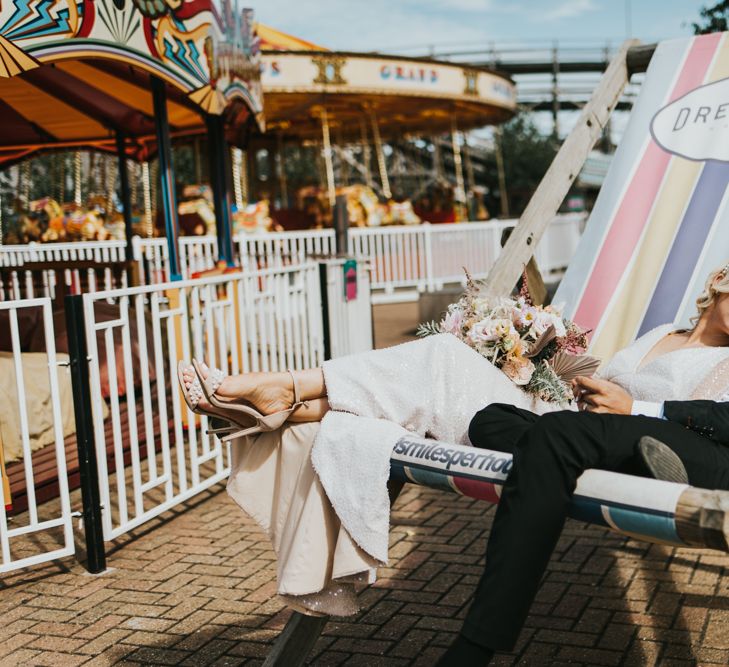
{"x":197,"y":589}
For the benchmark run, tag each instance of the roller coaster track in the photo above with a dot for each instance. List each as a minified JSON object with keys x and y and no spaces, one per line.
{"x":552,"y":77}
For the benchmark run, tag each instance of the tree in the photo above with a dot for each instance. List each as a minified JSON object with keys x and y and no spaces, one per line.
{"x":527,"y":155}
{"x":713,"y":19}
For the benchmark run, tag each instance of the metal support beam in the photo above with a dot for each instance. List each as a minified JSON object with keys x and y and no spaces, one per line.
{"x":555,"y":92}
{"x":220,"y":173}
{"x":166,"y":174}
{"x":125,"y":194}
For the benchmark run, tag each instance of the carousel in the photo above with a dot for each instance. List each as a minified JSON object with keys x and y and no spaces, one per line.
{"x":353,"y":111}
{"x":124,"y":78}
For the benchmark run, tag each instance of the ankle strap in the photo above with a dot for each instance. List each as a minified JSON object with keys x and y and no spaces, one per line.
{"x":296,"y":386}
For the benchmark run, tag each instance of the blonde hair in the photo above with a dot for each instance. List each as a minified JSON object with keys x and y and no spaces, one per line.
{"x":717,"y":283}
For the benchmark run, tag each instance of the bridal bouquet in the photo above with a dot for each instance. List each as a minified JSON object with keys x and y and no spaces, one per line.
{"x":534,"y":346}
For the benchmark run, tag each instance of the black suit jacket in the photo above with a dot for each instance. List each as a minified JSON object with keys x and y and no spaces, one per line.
{"x":707,"y":418}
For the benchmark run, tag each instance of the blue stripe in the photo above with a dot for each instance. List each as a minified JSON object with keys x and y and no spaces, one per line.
{"x":687,"y":246}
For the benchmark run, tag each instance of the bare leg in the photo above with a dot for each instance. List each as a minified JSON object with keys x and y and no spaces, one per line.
{"x":312,"y":411}
{"x":270,"y":392}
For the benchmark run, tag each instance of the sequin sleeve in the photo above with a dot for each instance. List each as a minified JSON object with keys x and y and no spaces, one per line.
{"x":715,"y":385}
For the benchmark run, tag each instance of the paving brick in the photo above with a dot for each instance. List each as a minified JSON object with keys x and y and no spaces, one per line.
{"x":199,"y":589}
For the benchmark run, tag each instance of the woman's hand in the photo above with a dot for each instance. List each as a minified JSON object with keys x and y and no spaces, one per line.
{"x":601,"y":396}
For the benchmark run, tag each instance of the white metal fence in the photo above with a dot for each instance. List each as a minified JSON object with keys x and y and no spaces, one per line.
{"x":413,"y":259}
{"x":349,"y":320}
{"x":18,"y":282}
{"x":262,"y":250}
{"x":152,"y":452}
{"x":404,"y":259}
{"x":158,"y":450}
{"x":559,"y":243}
{"x":33,"y":406}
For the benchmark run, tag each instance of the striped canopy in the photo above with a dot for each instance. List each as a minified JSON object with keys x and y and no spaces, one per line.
{"x":76,"y":103}
{"x":276,"y":40}
{"x":661,"y":221}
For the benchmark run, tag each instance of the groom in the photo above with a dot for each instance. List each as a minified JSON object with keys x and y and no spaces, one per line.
{"x":550,"y":453}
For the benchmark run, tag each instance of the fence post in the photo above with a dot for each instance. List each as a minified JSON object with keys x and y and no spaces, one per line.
{"x":429,"y":271}
{"x":325,"y":320}
{"x":88,"y":469}
{"x":341,"y":225}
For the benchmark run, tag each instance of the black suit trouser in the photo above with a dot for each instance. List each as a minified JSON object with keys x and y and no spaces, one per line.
{"x":550,"y":453}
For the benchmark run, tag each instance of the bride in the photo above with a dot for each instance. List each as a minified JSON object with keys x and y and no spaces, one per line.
{"x":346,"y":416}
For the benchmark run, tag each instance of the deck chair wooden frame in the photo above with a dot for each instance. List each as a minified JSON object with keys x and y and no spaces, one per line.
{"x":699,"y":513}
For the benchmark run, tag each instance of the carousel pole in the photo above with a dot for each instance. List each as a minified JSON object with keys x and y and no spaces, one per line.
{"x":281,"y":165}
{"x":25,"y":190}
{"x":220,"y":180}
{"x":61,"y":178}
{"x":470,"y":177}
{"x":366,"y":157}
{"x":125,"y":193}
{"x":327,"y":142}
{"x":77,"y":178}
{"x":166,"y":174}
{"x":460,"y":194}
{"x":237,"y":160}
{"x":381,"y":164}
{"x":147,"y":194}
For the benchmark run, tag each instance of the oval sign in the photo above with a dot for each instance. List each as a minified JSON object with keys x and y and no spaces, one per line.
{"x":696,"y":126}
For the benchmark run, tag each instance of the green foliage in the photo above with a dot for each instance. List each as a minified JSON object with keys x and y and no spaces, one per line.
{"x":428,"y":329}
{"x":547,"y":385}
{"x":714,"y":18}
{"x":527,"y":155}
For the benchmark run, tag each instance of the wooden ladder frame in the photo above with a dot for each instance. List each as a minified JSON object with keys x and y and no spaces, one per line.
{"x":292,"y":647}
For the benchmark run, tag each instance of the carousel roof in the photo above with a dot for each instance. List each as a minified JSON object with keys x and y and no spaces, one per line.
{"x":408,"y":95}
{"x":74,"y":74}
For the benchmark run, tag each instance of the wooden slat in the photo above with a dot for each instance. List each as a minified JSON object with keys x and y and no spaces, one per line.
{"x":296,"y":640}
{"x":702,"y":518}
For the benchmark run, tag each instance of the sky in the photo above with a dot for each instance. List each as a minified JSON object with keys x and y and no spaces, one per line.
{"x":413,"y":26}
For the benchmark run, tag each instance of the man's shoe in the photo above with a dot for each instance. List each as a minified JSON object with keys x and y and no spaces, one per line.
{"x":465,"y":653}
{"x":662,"y":461}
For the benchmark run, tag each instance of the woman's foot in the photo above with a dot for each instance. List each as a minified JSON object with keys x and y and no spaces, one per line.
{"x":266,"y":392}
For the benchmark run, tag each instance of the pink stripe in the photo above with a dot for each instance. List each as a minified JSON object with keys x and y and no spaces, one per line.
{"x":632,"y":215}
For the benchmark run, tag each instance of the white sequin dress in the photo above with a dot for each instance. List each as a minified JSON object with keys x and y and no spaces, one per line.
{"x":431,"y":387}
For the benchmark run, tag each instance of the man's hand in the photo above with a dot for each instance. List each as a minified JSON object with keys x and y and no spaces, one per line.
{"x":601,"y":396}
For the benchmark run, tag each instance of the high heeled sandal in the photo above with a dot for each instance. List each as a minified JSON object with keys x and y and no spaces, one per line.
{"x":193,"y":395}
{"x":263,"y":423}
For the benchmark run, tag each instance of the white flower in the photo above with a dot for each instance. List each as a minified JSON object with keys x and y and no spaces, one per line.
{"x":543,"y":320}
{"x":491,"y":329}
{"x":525,"y":315}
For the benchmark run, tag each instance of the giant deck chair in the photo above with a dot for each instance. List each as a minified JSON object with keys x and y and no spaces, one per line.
{"x":660,"y":223}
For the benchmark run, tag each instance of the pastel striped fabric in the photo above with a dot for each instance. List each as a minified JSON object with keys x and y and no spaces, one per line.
{"x":634,"y":506}
{"x":661,"y":221}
